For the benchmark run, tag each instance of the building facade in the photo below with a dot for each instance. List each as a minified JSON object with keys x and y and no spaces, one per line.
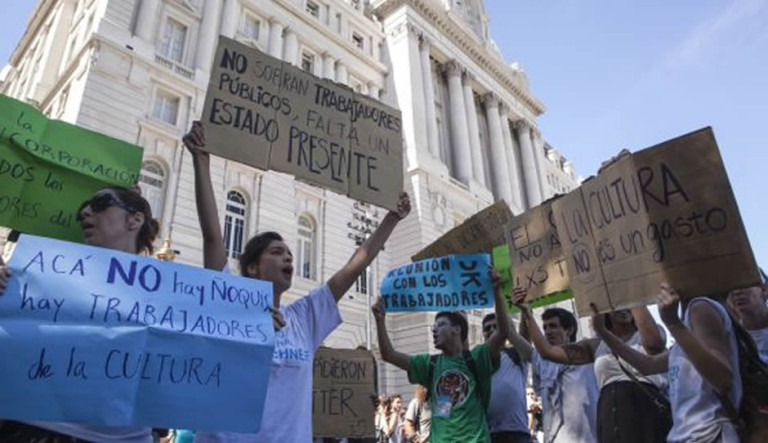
{"x":138,"y":70}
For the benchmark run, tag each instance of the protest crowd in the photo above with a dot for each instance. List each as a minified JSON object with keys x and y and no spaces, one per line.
{"x":698,"y":377}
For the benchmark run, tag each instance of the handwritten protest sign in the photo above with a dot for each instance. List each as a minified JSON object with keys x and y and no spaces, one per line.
{"x":48,"y":168}
{"x":479,"y":233}
{"x":343,"y":389}
{"x":663,"y":214}
{"x":538,"y":263}
{"x":104,"y":337}
{"x":266,"y":113}
{"x":451,"y":283}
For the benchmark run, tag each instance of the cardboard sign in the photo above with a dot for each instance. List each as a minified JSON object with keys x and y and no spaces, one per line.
{"x":108,"y":338}
{"x":48,"y":168}
{"x":343,"y":390}
{"x":479,"y":233}
{"x":269,"y":114}
{"x":538,"y":264}
{"x":452,"y":283}
{"x":663,"y":214}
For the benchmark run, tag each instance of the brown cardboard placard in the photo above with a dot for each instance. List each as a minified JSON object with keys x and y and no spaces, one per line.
{"x":479,"y":233}
{"x":538,"y":264}
{"x":271,"y":115}
{"x":664,"y":214}
{"x":343,"y":390}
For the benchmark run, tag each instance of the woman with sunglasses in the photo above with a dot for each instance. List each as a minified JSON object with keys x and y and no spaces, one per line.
{"x":306,"y":322}
{"x":114,"y":218}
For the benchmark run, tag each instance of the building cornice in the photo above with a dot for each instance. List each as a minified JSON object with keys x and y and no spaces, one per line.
{"x":432,"y":11}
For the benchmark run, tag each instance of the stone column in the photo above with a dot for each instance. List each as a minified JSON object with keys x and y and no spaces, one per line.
{"x":341,"y":74}
{"x":145,"y":21}
{"x":206,"y":42}
{"x":514,"y":178}
{"x":275,"y":47}
{"x":373,"y":90}
{"x":478,"y":172}
{"x":530,"y":171}
{"x":458,"y":114}
{"x":291,"y":47}
{"x":538,"y":150}
{"x":329,"y":67}
{"x":229,"y":18}
{"x":429,"y":98}
{"x":499,"y":164}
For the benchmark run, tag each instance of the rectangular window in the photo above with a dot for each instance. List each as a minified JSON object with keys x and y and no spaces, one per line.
{"x":251,"y":27}
{"x":172,"y":45}
{"x":308,"y":62}
{"x":361,"y":284}
{"x":313,"y":9}
{"x":358,"y":40}
{"x":166,"y":108}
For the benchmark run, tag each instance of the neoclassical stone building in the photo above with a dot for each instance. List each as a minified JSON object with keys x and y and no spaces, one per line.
{"x":138,"y":70}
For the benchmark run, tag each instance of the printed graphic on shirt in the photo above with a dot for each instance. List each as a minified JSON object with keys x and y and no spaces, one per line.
{"x":455,"y":385}
{"x":286,"y":351}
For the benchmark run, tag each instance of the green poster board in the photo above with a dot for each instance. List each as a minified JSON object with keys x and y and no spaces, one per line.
{"x":49,"y":167}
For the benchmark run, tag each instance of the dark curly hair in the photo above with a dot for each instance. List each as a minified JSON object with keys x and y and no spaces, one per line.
{"x":255,"y":247}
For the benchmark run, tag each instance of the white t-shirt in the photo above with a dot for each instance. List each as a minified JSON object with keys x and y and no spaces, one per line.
{"x":697,"y":412}
{"x":568,"y":398}
{"x":761,"y":340}
{"x":507,"y":411}
{"x":422,"y":414}
{"x":607,"y":369}
{"x":288,"y":407}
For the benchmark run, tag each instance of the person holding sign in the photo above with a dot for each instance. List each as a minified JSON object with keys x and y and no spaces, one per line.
{"x":114,"y":218}
{"x":305,"y":322}
{"x":630,"y":407}
{"x":752,"y":312}
{"x":458,"y":380}
{"x":702,"y":366}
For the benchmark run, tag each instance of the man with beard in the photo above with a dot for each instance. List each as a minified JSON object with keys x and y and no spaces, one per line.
{"x":458,"y":380}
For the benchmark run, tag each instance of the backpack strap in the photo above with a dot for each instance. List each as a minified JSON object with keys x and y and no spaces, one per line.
{"x":431,"y":374}
{"x":479,"y":383}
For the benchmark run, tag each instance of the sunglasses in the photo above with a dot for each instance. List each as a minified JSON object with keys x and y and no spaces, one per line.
{"x":489,"y":328}
{"x":101,"y":202}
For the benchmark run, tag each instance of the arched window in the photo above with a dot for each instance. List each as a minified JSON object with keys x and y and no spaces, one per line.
{"x":152,"y":183}
{"x":305,"y":248}
{"x":234,"y":223}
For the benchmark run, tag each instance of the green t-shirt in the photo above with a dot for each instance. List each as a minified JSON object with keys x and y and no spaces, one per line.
{"x":453,"y":378}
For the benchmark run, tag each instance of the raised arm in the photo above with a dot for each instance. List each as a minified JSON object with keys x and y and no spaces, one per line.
{"x":706,"y":345}
{"x":650,"y":336}
{"x":578,"y":353}
{"x":342,"y":280}
{"x":499,"y":336}
{"x":646,"y":364}
{"x":388,"y":352}
{"x":517,"y":339}
{"x":214,"y":254}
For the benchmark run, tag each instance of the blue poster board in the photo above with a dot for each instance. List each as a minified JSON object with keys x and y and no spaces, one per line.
{"x":450,"y":283}
{"x":102,"y":337}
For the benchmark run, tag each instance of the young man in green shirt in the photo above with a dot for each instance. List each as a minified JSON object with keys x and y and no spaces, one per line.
{"x":458,"y":380}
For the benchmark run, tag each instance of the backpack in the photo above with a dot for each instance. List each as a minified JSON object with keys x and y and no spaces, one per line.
{"x":751,"y":418}
{"x":471,"y":364}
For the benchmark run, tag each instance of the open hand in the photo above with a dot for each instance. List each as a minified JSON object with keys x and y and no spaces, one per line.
{"x":5,"y":274}
{"x":403,"y":206}
{"x":518,"y":299}
{"x":669,"y":301}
